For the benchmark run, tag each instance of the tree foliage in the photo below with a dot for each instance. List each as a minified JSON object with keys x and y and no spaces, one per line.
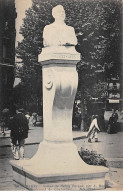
{"x":97,"y":24}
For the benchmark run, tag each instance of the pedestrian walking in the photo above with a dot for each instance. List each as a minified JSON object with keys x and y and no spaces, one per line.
{"x":112,"y":124}
{"x":34,"y":119}
{"x":27,"y":116}
{"x":19,"y":132}
{"x":4,"y":120}
{"x":93,"y":129}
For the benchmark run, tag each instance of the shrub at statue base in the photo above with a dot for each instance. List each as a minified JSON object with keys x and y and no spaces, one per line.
{"x":92,"y":158}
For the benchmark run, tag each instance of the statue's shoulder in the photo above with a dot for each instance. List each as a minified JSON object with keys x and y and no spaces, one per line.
{"x":70,"y":28}
{"x":54,"y":26}
{"x":47,"y":27}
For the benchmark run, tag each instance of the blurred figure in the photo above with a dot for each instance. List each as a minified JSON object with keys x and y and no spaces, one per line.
{"x":27,"y":116}
{"x":112,"y":124}
{"x":93,"y":129}
{"x":121,"y":114}
{"x":19,"y":132}
{"x":4,"y":120}
{"x":33,"y":119}
{"x":115,"y":115}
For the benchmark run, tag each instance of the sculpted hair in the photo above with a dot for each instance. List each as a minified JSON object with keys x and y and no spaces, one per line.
{"x":56,"y":9}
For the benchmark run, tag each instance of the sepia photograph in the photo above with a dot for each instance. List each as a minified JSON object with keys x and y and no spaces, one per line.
{"x":61,"y":95}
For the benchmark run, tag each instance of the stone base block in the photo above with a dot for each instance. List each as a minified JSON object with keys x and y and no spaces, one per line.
{"x":58,"y":167}
{"x":68,"y":185}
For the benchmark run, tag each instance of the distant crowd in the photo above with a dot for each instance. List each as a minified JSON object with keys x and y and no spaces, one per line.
{"x":6,"y":118}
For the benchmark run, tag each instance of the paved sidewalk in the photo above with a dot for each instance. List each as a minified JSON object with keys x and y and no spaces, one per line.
{"x":109,"y":145}
{"x":35,"y":136}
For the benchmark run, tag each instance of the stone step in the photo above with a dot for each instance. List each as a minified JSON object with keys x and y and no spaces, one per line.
{"x":115,"y":162}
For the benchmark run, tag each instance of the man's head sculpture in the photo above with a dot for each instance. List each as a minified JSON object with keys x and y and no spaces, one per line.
{"x":58,"y":33}
{"x":58,"y":13}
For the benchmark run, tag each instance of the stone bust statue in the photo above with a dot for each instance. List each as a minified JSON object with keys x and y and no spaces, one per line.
{"x":58,"y":33}
{"x":59,"y":39}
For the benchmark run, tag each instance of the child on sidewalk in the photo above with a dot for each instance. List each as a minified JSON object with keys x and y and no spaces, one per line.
{"x":93,"y":129}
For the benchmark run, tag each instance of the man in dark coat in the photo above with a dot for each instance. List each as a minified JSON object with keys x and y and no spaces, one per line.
{"x":112,"y":124}
{"x":19,"y":132}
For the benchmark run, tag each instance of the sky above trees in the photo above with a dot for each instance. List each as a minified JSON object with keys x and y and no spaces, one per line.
{"x":21,"y":7}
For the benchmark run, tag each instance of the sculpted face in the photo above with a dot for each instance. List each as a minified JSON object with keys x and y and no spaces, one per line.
{"x":58,"y":12}
{"x":58,"y":33}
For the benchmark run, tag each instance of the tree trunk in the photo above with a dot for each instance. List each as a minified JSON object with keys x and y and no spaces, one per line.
{"x":83,"y":125}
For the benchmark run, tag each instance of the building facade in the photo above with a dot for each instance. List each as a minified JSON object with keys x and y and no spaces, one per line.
{"x":7,"y":51}
{"x":114,"y":94}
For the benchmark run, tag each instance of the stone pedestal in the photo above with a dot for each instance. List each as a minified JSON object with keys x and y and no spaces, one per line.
{"x":57,"y":165}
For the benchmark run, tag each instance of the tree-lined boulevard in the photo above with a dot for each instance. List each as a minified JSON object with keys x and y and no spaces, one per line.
{"x":97,"y":26}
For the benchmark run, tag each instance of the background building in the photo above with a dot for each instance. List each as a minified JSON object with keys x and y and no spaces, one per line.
{"x":7,"y":51}
{"x":114,"y":100}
